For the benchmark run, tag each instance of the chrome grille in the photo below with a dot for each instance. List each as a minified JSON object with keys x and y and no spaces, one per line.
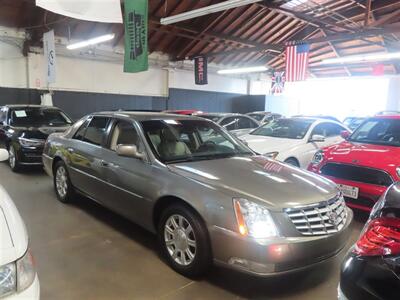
{"x":323,"y":218}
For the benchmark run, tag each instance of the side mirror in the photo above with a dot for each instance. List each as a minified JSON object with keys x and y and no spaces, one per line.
{"x":317,"y":138}
{"x":345,"y":134}
{"x":3,"y":155}
{"x":129,"y":151}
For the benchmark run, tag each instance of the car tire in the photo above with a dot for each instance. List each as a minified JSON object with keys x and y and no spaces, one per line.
{"x":13,"y":160}
{"x":62,"y":183}
{"x":187,"y":246}
{"x":292,"y":161}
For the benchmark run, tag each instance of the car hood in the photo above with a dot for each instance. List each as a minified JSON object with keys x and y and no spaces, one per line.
{"x":269,"y":182}
{"x":13,"y":236}
{"x":41,"y":132}
{"x":265,"y":144}
{"x":374,"y":156}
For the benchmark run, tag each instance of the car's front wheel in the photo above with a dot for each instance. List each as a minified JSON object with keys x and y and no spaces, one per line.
{"x":62,"y":183}
{"x":184,"y":241}
{"x":13,"y":159}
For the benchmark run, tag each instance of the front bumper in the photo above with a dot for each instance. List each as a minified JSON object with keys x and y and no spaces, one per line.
{"x":275,"y":256}
{"x":30,"y":156}
{"x":48,"y":164}
{"x":31,"y":293}
{"x":368,"y":194}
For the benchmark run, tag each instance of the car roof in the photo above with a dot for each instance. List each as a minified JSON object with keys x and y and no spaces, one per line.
{"x":146,"y":116}
{"x":219,"y":114}
{"x":395,"y":117}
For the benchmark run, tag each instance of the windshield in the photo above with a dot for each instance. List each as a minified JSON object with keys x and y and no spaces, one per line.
{"x":378,"y":131}
{"x":175,"y":141}
{"x":285,"y":128}
{"x":35,"y":116}
{"x":353,"y":123}
{"x":258,"y":117}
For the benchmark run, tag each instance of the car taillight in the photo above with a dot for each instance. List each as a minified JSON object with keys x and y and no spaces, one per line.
{"x":381,"y":237}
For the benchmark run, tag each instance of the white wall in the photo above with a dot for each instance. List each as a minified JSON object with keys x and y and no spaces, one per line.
{"x":12,"y":66}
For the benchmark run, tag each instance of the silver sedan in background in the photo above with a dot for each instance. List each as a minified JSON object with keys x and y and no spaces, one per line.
{"x":207,"y":196}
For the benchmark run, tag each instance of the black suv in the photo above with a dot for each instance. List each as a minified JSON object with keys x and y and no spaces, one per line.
{"x":24,"y":130}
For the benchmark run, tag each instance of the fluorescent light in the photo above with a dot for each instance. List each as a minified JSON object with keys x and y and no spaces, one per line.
{"x":206,"y":10}
{"x":362,"y":58}
{"x":243,"y":70}
{"x":93,"y":41}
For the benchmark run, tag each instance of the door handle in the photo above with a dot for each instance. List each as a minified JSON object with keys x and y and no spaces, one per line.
{"x":104,"y":163}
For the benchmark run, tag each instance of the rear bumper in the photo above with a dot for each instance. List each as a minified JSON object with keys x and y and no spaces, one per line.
{"x":368,"y":278}
{"x":275,"y":256}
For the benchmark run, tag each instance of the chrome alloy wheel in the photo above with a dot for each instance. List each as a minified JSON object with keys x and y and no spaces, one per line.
{"x":180,"y":240}
{"x":61,"y":181}
{"x":12,"y":158}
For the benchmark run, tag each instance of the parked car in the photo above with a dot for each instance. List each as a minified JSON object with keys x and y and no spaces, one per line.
{"x":237,"y":124}
{"x":366,"y":164}
{"x":24,"y":129}
{"x":264,"y":116}
{"x":18,"y":279}
{"x":371,"y":270}
{"x":353,"y":122}
{"x":207,"y":201}
{"x":324,"y":117}
{"x":294,"y":140}
{"x":187,"y":112}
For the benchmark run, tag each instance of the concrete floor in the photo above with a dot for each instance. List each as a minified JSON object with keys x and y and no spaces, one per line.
{"x":84,"y":251}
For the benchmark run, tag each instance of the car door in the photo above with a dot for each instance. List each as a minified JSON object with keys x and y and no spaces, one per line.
{"x":244,"y":125}
{"x":129,"y":179}
{"x":86,"y":152}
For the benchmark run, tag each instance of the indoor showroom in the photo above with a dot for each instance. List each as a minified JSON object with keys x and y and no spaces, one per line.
{"x":199,"y":149}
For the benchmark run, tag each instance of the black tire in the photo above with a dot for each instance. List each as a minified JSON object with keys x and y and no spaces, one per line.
{"x":13,"y":160}
{"x":69,"y":194}
{"x":292,"y":161}
{"x":202,"y":260}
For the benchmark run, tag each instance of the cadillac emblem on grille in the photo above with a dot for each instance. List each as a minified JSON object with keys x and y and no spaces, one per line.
{"x":333,"y":218}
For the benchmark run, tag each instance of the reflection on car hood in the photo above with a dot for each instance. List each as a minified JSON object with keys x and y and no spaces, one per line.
{"x":13,"y":236}
{"x":370,"y":155}
{"x":257,"y":178}
{"x":39,"y":132}
{"x":265,"y":144}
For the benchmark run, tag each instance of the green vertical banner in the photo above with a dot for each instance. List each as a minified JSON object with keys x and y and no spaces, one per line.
{"x":136,"y":24}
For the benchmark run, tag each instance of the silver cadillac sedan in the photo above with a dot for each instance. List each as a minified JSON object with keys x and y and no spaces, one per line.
{"x":206,"y":195}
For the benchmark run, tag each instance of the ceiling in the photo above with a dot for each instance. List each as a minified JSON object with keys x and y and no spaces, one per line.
{"x":249,"y":35}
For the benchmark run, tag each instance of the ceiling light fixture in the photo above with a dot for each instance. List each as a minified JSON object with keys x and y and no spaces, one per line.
{"x":243,"y":70}
{"x":361,"y":58}
{"x":206,"y":10}
{"x":93,"y":41}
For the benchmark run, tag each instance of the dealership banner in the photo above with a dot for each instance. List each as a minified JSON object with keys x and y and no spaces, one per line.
{"x":136,"y":23}
{"x":49,"y":56}
{"x":107,"y":11}
{"x":200,"y":70}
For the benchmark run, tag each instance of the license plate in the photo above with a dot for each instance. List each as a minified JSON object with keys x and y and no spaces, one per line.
{"x":349,"y":191}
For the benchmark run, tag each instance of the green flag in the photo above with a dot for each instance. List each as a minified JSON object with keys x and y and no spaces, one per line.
{"x":136,"y":22}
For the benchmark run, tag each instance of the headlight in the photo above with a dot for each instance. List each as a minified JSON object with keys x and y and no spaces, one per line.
{"x":25,"y":271}
{"x":318,"y":157}
{"x":30,"y":142}
{"x":271,"y":154}
{"x":17,"y":276}
{"x":254,"y":220}
{"x":8,"y":280}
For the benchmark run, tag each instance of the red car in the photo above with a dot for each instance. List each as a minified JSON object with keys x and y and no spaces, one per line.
{"x":366,"y":164}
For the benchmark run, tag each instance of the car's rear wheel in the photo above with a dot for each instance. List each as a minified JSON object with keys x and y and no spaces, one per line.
{"x":13,"y":159}
{"x":62,"y":184}
{"x":292,"y":161}
{"x":184,"y":241}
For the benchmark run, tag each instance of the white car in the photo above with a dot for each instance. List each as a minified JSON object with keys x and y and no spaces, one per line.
{"x":295,"y":140}
{"x":18,"y":278}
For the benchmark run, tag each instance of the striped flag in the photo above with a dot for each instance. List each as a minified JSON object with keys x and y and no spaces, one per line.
{"x":297,"y":62}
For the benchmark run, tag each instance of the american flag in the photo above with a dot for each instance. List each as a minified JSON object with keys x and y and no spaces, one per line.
{"x":297,"y":62}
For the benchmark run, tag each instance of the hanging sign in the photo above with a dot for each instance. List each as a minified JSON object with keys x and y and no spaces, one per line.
{"x":200,"y":70}
{"x":49,"y":56}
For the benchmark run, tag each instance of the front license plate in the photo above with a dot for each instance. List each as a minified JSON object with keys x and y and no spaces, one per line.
{"x":349,"y":191}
